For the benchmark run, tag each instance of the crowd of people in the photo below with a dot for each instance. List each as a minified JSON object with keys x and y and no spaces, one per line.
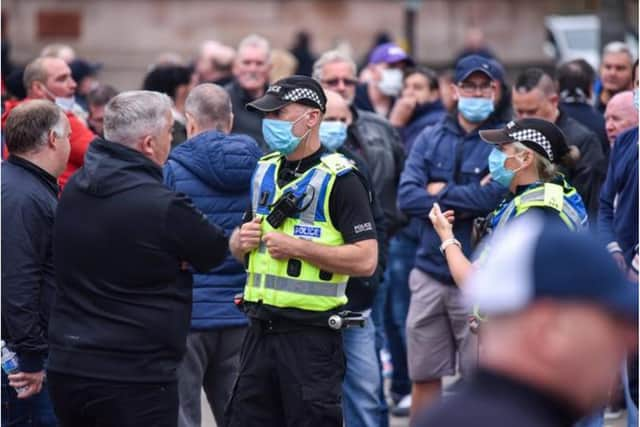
{"x":264,"y":226}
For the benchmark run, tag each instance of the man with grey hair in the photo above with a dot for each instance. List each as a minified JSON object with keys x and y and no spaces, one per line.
{"x":214,"y":63}
{"x":251,"y":68}
{"x":59,"y":50}
{"x":336,"y":70}
{"x":37,"y":138}
{"x":215,"y":169}
{"x":125,"y":247}
{"x":616,"y":72}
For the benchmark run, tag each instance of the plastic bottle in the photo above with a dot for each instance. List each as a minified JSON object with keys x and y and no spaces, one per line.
{"x":10,"y":363}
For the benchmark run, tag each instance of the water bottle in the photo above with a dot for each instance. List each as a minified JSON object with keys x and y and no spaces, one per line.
{"x":10,"y":363}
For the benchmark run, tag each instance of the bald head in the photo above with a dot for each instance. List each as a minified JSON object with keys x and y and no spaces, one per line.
{"x":47,"y":78}
{"x":208,"y":107}
{"x":620,"y":115}
{"x":337,"y":108}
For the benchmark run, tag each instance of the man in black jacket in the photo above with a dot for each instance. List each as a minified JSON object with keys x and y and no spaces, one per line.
{"x":251,"y":69}
{"x":122,"y":247}
{"x":535,"y":95}
{"x":37,"y":137}
{"x":575,"y":82}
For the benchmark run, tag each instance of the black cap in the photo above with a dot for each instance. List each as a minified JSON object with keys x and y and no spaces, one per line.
{"x":81,"y":69}
{"x":295,"y":89}
{"x":540,"y":135}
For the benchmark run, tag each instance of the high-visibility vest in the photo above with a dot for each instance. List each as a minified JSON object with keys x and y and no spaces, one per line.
{"x":563,"y":199}
{"x":296,"y":283}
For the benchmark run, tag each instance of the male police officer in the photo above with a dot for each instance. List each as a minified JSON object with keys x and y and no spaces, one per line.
{"x":308,"y":229}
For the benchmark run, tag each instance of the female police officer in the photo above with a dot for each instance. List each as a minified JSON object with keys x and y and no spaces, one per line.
{"x":523,"y":159}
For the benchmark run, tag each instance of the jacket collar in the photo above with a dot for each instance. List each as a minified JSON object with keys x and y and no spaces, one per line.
{"x":49,"y":180}
{"x":452,"y":125}
{"x":426,"y":108}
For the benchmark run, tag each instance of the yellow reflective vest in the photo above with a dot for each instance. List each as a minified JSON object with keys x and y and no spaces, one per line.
{"x":296,"y":283}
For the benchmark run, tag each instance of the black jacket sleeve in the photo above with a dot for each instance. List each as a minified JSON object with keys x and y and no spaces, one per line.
{"x":26,"y":244}
{"x":201,"y":244}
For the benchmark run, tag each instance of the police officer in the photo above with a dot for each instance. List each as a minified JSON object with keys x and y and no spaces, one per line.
{"x":562,"y":317}
{"x":524,"y":160}
{"x":308,"y":229}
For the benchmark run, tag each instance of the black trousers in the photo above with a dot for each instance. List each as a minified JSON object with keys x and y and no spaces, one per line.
{"x":288,"y":377}
{"x":86,"y":402}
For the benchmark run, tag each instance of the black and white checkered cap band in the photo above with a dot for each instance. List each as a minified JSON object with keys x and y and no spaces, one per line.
{"x":297,"y":94}
{"x":533,"y":135}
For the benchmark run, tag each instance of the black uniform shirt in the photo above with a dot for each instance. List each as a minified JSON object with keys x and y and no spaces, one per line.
{"x":349,"y":208}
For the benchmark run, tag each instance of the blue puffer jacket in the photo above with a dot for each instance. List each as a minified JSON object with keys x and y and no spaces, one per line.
{"x":215,"y":170}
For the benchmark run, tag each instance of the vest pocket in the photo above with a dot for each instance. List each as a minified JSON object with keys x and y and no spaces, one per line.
{"x":325,"y":275}
{"x":294,"y":267}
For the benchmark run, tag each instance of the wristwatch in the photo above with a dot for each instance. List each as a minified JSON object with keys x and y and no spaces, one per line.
{"x":448,"y":243}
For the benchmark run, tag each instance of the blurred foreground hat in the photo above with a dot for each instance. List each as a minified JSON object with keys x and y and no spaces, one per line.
{"x":533,"y":259}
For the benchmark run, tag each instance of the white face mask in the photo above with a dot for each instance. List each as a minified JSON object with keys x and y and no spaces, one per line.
{"x":391,"y":82}
{"x":65,"y":103}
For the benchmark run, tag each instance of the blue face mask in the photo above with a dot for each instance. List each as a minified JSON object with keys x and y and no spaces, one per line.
{"x":636,"y":98}
{"x":333,"y":134}
{"x":279,"y":136}
{"x":475,"y":110}
{"x":498,"y":172}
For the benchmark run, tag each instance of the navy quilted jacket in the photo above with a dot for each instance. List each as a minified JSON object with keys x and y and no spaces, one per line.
{"x":215,"y":170}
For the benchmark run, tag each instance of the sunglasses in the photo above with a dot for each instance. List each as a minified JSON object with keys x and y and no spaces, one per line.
{"x":336,"y":81}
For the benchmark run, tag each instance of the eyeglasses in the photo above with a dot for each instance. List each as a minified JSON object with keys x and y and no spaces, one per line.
{"x":469,"y":88}
{"x":337,"y":80}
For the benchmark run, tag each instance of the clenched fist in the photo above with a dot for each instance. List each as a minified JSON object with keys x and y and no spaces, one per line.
{"x":249,"y":235}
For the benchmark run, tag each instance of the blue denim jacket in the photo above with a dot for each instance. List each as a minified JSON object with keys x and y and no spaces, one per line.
{"x":445,"y":153}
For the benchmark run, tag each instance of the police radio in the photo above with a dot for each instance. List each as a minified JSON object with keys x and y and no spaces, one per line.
{"x":285,"y":207}
{"x":288,"y":205}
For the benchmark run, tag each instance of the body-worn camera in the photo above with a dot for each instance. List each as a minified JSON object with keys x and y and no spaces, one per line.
{"x":285,"y":207}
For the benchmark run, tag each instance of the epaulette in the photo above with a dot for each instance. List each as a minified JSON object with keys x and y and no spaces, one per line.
{"x":337,"y":163}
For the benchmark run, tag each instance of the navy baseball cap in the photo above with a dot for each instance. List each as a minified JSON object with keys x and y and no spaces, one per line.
{"x":389,"y":53}
{"x":294,"y":89}
{"x":472,"y":63}
{"x":498,"y":70}
{"x":533,"y":258}
{"x":81,"y":69}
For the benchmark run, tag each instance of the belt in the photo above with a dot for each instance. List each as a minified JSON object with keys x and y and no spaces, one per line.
{"x":283,"y":325}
